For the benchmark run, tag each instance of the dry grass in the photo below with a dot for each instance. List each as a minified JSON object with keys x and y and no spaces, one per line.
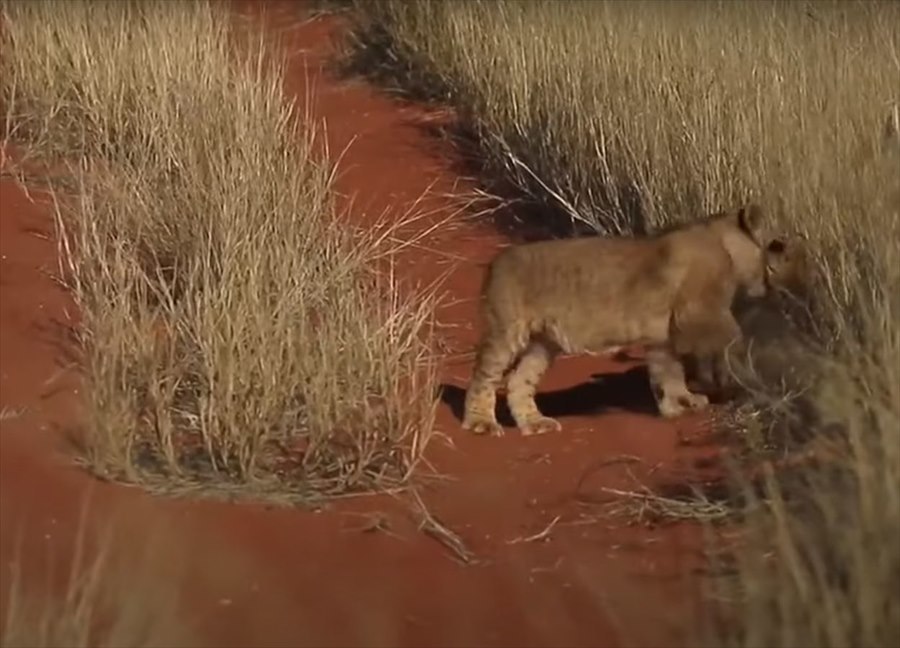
{"x":107,"y":599}
{"x":234,"y":335}
{"x":628,"y":116}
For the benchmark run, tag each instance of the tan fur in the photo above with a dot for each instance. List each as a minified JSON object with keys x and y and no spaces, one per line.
{"x":671,"y":293}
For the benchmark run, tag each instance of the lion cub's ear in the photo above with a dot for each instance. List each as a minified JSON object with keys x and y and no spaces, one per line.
{"x":750,"y":219}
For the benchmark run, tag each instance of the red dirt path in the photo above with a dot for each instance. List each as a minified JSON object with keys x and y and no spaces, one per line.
{"x":301,"y":578}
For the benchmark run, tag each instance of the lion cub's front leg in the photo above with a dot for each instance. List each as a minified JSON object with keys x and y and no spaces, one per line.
{"x":703,"y":342}
{"x":710,"y":375}
{"x":669,"y":386}
{"x":522,"y":386}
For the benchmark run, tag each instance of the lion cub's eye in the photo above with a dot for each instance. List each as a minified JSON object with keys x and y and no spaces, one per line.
{"x":776,"y":246}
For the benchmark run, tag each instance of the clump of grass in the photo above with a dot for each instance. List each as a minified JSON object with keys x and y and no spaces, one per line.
{"x":235,"y":335}
{"x":628,"y":116}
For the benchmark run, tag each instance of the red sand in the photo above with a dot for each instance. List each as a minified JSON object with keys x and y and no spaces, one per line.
{"x":314,"y":578}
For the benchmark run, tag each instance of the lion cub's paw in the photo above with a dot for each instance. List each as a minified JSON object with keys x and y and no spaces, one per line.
{"x":672,"y":407}
{"x":694,"y":401}
{"x":483,"y":426}
{"x":542,"y":425}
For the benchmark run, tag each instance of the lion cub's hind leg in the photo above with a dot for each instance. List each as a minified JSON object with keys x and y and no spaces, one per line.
{"x":669,"y":386}
{"x":494,"y":356}
{"x":523,"y":382}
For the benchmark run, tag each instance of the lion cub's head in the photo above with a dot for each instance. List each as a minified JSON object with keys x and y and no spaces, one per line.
{"x":787,"y":265}
{"x":761,"y":261}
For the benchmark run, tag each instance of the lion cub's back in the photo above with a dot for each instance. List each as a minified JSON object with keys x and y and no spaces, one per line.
{"x":571,"y":279}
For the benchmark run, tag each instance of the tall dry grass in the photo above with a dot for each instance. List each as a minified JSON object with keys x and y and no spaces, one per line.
{"x":234,"y":333}
{"x":627,"y":116}
{"x":91,"y":614}
{"x":106,"y":598}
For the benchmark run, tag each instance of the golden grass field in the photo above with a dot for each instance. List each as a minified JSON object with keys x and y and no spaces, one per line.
{"x":226,"y":322}
{"x":225,"y":318}
{"x":628,"y":116}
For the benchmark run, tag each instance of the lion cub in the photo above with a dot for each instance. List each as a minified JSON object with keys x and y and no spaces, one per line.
{"x":671,"y":293}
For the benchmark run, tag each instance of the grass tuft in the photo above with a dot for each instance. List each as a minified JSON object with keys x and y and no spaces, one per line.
{"x":236,"y":335}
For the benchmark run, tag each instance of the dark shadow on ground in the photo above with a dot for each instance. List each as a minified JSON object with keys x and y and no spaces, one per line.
{"x":629,"y":390}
